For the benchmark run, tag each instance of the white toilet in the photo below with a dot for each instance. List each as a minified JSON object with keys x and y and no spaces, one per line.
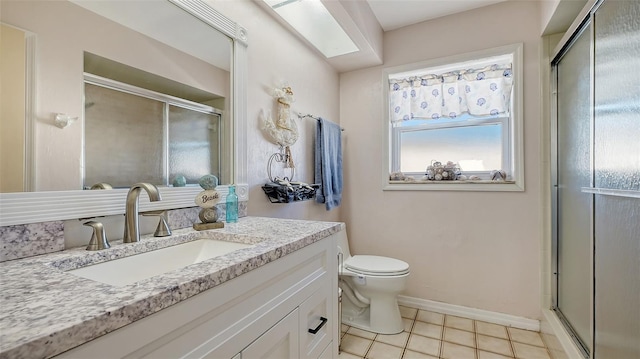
{"x":370,"y":286}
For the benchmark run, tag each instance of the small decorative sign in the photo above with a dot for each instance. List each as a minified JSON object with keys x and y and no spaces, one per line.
{"x":207,"y":198}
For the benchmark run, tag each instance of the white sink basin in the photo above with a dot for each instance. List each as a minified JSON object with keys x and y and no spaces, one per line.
{"x":128,"y":270}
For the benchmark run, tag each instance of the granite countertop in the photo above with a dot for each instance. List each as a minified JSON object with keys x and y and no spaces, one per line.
{"x":45,"y":311}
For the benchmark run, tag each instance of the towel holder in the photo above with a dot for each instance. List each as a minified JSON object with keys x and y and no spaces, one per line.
{"x":301,"y":116}
{"x":283,"y":189}
{"x":280,"y":157}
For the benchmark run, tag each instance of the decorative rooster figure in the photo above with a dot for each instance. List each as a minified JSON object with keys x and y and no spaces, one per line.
{"x":283,"y":130}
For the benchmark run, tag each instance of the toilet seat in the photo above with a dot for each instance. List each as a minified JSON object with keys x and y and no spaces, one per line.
{"x":376,"y":266}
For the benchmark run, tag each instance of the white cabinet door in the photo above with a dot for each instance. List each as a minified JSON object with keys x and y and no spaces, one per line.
{"x":279,"y":342}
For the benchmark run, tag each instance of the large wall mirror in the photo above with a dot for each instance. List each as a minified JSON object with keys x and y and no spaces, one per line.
{"x":117,"y":92}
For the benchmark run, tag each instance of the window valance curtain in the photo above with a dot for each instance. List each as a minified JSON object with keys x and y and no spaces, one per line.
{"x":479,"y":92}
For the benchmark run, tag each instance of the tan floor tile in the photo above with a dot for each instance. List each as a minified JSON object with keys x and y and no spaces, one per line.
{"x":344,"y":328}
{"x":492,"y":344}
{"x":434,"y":335}
{"x":458,"y":323}
{"x":558,"y":354}
{"x":399,"y":340}
{"x":526,"y":337}
{"x":345,"y":355}
{"x":460,"y":337}
{"x":455,"y":351}
{"x":524,"y":351}
{"x":408,"y":324}
{"x":355,"y":345}
{"x":487,"y":355}
{"x":361,"y":333}
{"x":384,"y":351}
{"x":407,"y":312}
{"x":424,"y":345}
{"x":553,"y":345}
{"x":410,"y":354}
{"x":430,"y":317}
{"x":427,"y":330}
{"x":494,"y":330}
{"x":551,"y":342}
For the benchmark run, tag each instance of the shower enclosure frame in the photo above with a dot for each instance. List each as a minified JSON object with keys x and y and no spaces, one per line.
{"x":607,"y":232}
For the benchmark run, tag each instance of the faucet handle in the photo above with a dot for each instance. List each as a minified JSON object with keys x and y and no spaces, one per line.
{"x":98,"y":238}
{"x":101,"y":185}
{"x":163,"y":229}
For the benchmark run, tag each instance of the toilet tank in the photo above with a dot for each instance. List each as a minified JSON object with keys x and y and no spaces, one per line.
{"x":343,"y":244}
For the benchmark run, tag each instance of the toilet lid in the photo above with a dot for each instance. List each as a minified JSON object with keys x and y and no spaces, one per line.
{"x":377,"y":265}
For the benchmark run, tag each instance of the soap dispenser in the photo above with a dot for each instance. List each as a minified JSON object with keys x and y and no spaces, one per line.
{"x":232,"y":205}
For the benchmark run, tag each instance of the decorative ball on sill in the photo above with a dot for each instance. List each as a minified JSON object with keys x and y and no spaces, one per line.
{"x":179,"y":181}
{"x":208,"y":182}
{"x":498,"y":175}
{"x":397,"y":176}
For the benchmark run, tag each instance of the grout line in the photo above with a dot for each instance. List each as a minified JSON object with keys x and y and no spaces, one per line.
{"x":513,"y":349}
{"x":442,"y":340}
{"x":370,"y":346}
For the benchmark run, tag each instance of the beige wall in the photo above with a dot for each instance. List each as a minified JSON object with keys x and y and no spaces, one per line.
{"x":63,"y":31}
{"x":475,"y":249}
{"x":12,"y":109}
{"x":275,"y":55}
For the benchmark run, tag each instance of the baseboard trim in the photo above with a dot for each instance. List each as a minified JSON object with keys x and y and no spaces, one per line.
{"x":553,"y":325}
{"x":471,"y":313}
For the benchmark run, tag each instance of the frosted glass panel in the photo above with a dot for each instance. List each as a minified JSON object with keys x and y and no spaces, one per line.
{"x":123,"y":138}
{"x":617,"y":275}
{"x":617,"y":166}
{"x":574,"y":210}
{"x":617,"y":95}
{"x":194,"y":145}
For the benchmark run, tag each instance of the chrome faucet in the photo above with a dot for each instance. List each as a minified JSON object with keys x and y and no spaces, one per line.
{"x":131,"y":225}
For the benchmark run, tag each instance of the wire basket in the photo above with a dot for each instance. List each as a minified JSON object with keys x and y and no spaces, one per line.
{"x":439,"y":172}
{"x":278,"y":193}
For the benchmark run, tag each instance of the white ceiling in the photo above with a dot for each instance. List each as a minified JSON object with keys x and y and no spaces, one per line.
{"x":394,"y":14}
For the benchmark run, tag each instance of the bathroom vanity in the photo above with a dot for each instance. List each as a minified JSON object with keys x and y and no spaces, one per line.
{"x":275,"y":297}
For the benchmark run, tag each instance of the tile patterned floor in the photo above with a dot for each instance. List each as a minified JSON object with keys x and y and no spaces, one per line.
{"x":430,"y":335}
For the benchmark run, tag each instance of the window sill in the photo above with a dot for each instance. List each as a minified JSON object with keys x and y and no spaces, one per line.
{"x":479,"y":186}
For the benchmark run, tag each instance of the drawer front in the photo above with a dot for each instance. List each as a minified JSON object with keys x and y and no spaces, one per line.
{"x":315,"y":328}
{"x":279,"y":342}
{"x":326,"y":353}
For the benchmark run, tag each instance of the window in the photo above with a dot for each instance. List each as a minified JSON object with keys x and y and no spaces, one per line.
{"x":460,"y":113}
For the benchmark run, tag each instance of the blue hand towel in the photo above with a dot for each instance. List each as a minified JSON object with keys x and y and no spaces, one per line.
{"x":328,"y":163}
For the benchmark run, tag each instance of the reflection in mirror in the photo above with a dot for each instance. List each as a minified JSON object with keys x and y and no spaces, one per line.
{"x":137,"y":135}
{"x":169,"y":52}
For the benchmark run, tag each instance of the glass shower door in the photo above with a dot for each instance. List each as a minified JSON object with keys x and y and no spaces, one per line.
{"x":617,"y":179}
{"x":574,"y":209}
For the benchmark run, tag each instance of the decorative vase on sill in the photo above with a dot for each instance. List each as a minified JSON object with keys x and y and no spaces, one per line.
{"x":232,"y":205}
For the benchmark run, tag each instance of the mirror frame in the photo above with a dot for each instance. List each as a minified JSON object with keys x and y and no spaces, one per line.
{"x":35,"y":207}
